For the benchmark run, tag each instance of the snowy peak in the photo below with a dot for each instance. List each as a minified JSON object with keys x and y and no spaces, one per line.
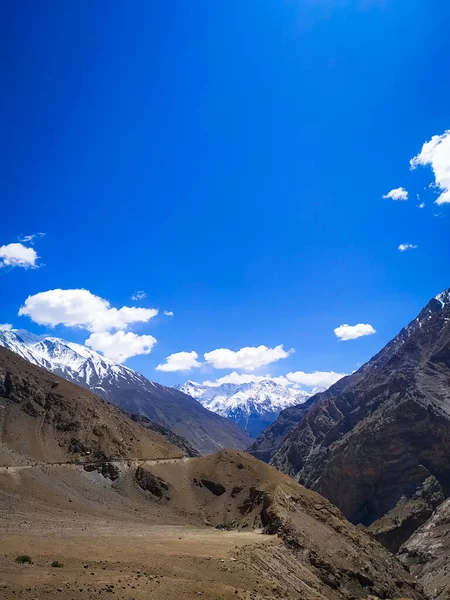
{"x":253,"y":406}
{"x":443,"y":298}
{"x":73,"y":361}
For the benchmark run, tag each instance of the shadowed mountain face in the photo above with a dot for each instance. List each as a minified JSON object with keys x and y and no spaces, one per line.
{"x":376,"y":443}
{"x":206,"y":431}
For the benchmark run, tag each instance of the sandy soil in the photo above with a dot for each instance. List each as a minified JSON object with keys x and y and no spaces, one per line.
{"x":114,"y":543}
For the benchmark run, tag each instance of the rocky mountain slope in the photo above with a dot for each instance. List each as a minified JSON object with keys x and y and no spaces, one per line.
{"x":376,"y":443}
{"x":205,"y":431}
{"x":329,"y":557}
{"x":252,"y":406}
{"x":426,"y":553}
{"x":46,"y":418}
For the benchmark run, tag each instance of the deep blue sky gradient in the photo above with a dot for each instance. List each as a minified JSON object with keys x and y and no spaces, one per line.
{"x":228,"y":158}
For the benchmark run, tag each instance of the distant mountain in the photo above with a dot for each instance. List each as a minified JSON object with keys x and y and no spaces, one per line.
{"x":252,"y":406}
{"x":206,"y":431}
{"x":376,"y":443}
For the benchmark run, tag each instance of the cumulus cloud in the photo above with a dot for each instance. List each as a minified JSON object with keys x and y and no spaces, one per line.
{"x":421,"y":205}
{"x":247,"y":359}
{"x":316,"y":381}
{"x":406,"y":246}
{"x":81,"y":308}
{"x":120,"y":345}
{"x":5,"y":326}
{"x":139,"y":295}
{"x":18,"y":255}
{"x":29,"y":239}
{"x":237,"y":378}
{"x":436,"y":153}
{"x":179,"y":361}
{"x":168,"y":313}
{"x":352,"y":332}
{"x":397,"y":194}
{"x":322,"y":379}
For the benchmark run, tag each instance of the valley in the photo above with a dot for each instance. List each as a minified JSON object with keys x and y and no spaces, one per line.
{"x":128,"y":513}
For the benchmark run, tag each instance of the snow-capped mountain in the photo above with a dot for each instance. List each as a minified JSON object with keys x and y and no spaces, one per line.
{"x":253,"y":406}
{"x":127,"y":389}
{"x":67,"y":359}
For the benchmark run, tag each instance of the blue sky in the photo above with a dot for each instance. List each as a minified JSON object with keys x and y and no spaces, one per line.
{"x":228,"y":158}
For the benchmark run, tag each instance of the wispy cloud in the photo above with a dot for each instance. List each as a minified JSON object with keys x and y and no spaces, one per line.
{"x":168,"y":313}
{"x":139,"y":295}
{"x":29,"y":239}
{"x":407,"y":246}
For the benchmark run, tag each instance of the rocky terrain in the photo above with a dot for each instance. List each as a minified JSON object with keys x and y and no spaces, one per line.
{"x":165,"y":406}
{"x":252,"y":406}
{"x":128,"y":515}
{"x":376,"y":442}
{"x":266,"y":445}
{"x":427,"y":552}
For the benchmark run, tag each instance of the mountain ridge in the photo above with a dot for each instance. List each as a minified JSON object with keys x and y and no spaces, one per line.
{"x":374,"y":442}
{"x":127,"y":389}
{"x":253,"y":406}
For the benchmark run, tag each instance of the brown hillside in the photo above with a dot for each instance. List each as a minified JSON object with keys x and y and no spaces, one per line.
{"x":46,"y":418}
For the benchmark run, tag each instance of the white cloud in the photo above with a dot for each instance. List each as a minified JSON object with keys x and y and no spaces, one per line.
{"x":316,"y":379}
{"x":29,"y":239}
{"x":18,"y":255}
{"x":281,"y":379}
{"x":168,"y":313}
{"x":81,"y":308}
{"x":397,"y":194}
{"x":352,"y":332}
{"x":120,"y":345}
{"x":5,"y":326}
{"x":247,"y":359}
{"x":406,"y":246}
{"x":180,"y":361}
{"x":139,"y":295}
{"x":436,"y":153}
{"x":421,"y":205}
{"x":238,"y":378}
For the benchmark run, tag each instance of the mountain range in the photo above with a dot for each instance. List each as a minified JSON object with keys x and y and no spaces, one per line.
{"x":127,"y":514}
{"x":376,"y":443}
{"x":253,"y":406}
{"x":165,"y":406}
